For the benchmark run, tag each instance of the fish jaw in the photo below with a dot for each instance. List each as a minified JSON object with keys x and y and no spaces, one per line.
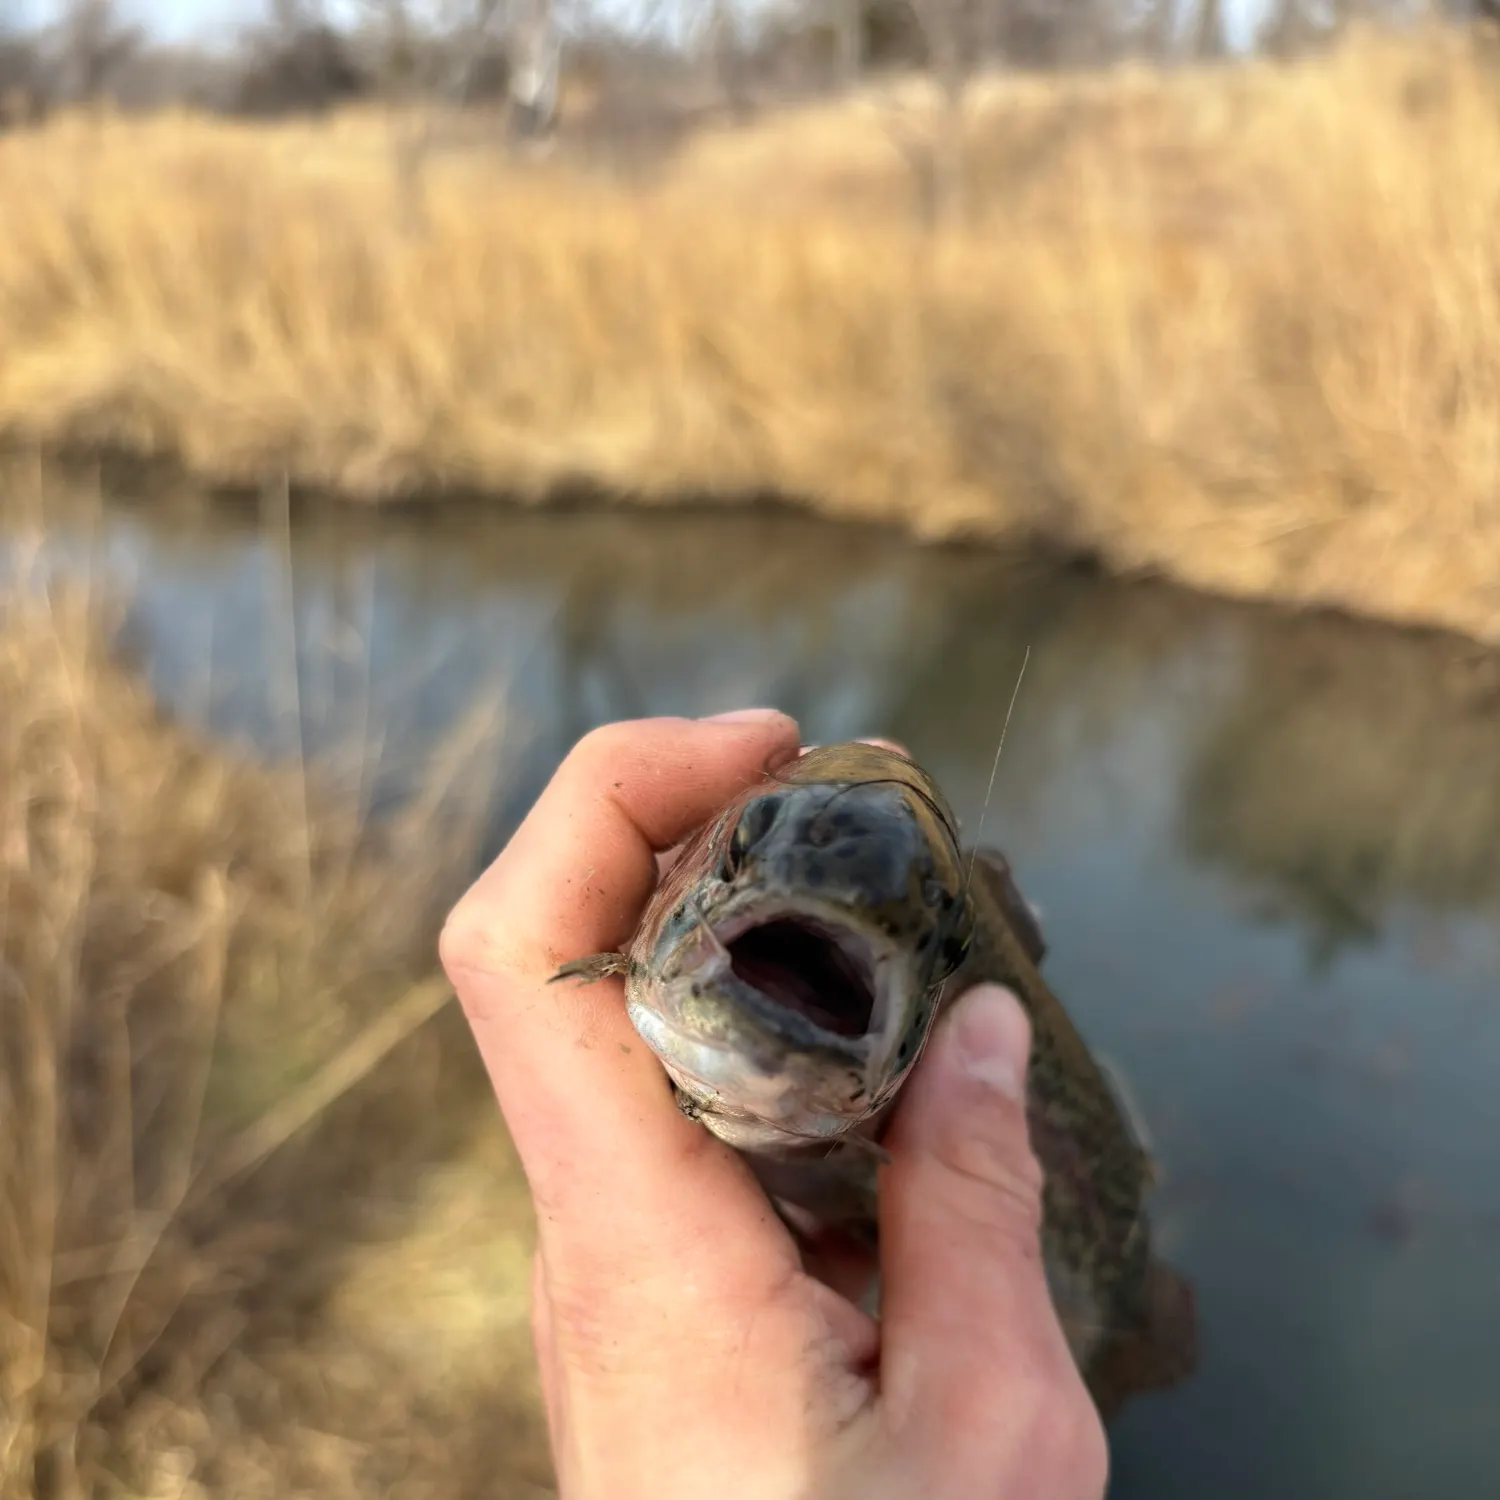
{"x":755,"y":1099}
{"x":765,"y":1074}
{"x":866,"y":960}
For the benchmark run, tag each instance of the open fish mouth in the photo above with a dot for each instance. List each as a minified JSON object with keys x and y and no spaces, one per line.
{"x":823,"y":970}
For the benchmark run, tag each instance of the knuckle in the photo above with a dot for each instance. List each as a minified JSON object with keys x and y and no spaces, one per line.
{"x":474,"y":941}
{"x":601,"y":747}
{"x":467,"y":941}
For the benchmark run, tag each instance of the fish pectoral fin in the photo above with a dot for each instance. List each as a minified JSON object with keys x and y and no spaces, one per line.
{"x":595,"y":966}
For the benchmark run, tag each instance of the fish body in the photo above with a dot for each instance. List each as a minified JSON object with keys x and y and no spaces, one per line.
{"x":788,"y":972}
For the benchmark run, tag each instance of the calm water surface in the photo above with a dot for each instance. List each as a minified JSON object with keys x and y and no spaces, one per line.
{"x":1267,"y":852}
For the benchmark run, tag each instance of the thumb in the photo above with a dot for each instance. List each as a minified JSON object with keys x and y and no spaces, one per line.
{"x":972,"y":1350}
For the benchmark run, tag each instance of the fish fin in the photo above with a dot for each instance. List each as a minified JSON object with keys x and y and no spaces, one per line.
{"x":1162,"y":1353}
{"x":1017,"y":909}
{"x":595,"y":966}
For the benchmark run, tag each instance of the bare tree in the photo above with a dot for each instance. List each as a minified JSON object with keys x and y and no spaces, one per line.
{"x":23,"y":85}
{"x":394,"y":46}
{"x":959,"y":36}
{"x":1296,"y":25}
{"x":1154,"y":26}
{"x":723,"y":48}
{"x":297,"y":61}
{"x":1208,"y":28}
{"x":474,"y":50}
{"x":535,"y":53}
{"x":848,"y":18}
{"x":91,"y":45}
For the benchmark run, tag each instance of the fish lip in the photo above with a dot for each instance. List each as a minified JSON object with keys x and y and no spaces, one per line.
{"x":872,"y":951}
{"x":757,"y":910}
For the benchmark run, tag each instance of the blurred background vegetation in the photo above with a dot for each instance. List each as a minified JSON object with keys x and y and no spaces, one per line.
{"x":394,"y":389}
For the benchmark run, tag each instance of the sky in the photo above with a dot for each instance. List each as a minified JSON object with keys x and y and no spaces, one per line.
{"x":171,"y":20}
{"x":212,"y":21}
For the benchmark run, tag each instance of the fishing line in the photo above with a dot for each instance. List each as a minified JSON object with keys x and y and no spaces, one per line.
{"x":994,"y":769}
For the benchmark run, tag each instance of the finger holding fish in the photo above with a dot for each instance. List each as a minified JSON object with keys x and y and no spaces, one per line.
{"x":585,"y":1101}
{"x":787,"y":973}
{"x":785,"y":962}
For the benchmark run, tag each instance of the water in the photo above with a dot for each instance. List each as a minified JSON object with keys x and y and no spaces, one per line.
{"x":1267,"y":851}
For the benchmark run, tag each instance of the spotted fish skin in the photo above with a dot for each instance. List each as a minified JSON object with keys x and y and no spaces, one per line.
{"x":857,"y":846}
{"x":1129,"y":1319}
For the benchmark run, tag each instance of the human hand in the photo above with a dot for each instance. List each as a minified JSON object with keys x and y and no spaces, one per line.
{"x":684,"y":1347}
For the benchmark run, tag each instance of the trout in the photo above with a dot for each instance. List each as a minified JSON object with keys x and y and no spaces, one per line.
{"x":788,"y":971}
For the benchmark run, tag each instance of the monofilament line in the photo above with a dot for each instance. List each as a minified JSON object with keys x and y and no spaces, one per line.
{"x":1015,"y":693}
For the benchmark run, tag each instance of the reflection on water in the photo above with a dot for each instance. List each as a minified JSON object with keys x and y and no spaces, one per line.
{"x":1345,"y":777}
{"x":1266,"y":851}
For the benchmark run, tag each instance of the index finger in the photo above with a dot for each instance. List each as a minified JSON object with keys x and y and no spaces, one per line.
{"x":617,"y":1173}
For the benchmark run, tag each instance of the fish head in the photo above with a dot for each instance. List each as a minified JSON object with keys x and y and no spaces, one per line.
{"x":790,"y":969}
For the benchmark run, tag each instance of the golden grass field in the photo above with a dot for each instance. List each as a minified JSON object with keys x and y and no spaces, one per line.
{"x":1240,"y":326}
{"x":222,"y":1027}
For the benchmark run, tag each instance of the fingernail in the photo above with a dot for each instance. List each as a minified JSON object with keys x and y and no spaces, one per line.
{"x":993,"y":1038}
{"x":744,"y":716}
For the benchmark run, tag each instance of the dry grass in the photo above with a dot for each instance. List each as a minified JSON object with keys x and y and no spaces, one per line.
{"x":220,"y":1056}
{"x":1241,"y":326}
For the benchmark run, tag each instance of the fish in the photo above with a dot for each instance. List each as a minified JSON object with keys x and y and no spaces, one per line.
{"x":788,"y":971}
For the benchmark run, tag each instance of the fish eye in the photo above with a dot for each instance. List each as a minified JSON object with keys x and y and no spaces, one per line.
{"x":753,"y":826}
{"x":958,"y":939}
{"x":955,"y":951}
{"x":734,"y":853}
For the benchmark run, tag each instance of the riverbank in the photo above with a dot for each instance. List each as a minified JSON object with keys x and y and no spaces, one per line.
{"x":1237,"y":326}
{"x":224,"y":1029}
